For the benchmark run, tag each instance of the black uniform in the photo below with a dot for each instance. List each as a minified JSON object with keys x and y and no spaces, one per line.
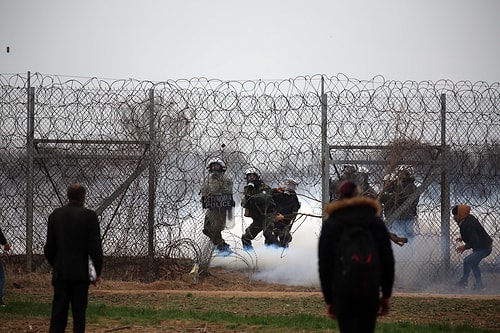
{"x":288,"y":205}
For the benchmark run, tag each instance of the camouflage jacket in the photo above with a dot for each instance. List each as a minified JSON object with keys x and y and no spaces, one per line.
{"x":217,"y":184}
{"x":258,"y":200}
{"x":395,"y":196}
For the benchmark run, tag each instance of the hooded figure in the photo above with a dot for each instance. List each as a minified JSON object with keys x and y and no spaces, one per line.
{"x":354,"y":314}
{"x":476,"y":238}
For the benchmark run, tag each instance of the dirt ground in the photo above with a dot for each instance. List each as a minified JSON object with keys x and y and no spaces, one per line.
{"x":232,"y":286}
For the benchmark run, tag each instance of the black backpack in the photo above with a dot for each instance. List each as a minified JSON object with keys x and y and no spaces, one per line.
{"x":357,"y":271}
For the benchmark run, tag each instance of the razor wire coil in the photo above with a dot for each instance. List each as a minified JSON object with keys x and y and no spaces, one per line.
{"x":99,"y":132}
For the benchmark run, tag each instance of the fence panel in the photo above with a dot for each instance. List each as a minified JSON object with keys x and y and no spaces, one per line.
{"x":105,"y":135}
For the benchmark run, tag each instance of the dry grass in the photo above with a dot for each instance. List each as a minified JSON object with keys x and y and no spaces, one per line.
{"x":233,"y":292}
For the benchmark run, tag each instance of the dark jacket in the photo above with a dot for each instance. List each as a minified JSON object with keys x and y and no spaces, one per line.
{"x":288,"y":205}
{"x":362,"y":211}
{"x":471,"y":231}
{"x":3,"y":240}
{"x":73,"y":234}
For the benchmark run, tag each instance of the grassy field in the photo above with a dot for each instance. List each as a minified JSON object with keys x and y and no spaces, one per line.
{"x":227,"y":302}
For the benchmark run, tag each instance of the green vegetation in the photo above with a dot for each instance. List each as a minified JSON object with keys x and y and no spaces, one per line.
{"x":260,"y":314}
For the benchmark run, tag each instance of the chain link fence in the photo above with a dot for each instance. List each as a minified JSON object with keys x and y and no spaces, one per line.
{"x":140,"y":148}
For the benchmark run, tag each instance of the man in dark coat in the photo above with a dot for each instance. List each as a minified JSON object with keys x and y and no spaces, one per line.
{"x":73,"y":236}
{"x":475,"y":237}
{"x":354,"y":313}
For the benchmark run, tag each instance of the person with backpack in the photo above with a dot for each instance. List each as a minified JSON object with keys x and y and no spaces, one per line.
{"x":355,"y":261}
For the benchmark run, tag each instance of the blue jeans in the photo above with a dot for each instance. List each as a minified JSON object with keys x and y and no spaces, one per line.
{"x":471,"y":262}
{"x":2,"y":280}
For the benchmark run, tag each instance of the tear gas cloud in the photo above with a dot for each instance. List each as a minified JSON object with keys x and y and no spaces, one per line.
{"x":296,"y":265}
{"x":419,"y":264}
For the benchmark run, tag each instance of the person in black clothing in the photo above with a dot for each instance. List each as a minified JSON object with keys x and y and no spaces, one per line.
{"x":6,"y":247}
{"x":475,"y":237}
{"x":354,"y":314}
{"x":73,"y":236}
{"x":287,"y":208}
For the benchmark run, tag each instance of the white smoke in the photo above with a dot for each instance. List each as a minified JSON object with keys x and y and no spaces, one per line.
{"x":297,"y":265}
{"x":419,"y":264}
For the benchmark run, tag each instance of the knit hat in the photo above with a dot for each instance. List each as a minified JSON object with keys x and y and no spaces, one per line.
{"x":347,"y":189}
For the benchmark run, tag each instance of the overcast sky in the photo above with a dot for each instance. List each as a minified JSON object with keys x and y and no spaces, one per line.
{"x":260,"y":39}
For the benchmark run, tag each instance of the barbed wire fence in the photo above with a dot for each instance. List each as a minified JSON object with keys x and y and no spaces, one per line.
{"x":140,"y":148}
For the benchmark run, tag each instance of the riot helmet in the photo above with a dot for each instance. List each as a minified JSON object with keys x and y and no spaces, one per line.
{"x":290,"y":184}
{"x":216,"y":164}
{"x":252,"y":175}
{"x":348,"y":171}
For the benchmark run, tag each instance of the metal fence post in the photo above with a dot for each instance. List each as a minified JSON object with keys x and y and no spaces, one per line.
{"x":30,"y":148}
{"x":325,"y":160}
{"x":152,"y":184}
{"x":445,"y":193}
